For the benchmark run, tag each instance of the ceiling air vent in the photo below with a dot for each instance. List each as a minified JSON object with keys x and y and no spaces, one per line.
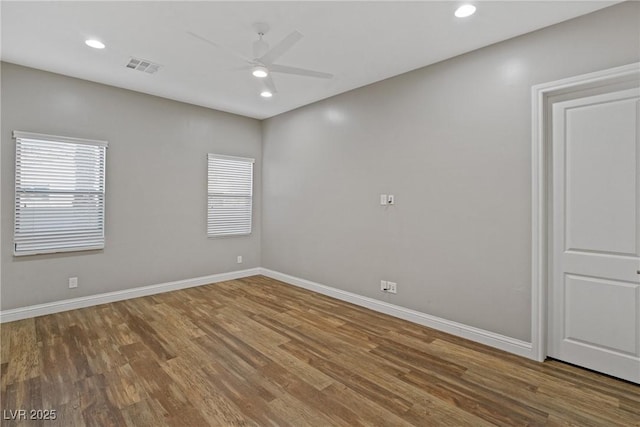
{"x":143,"y":65}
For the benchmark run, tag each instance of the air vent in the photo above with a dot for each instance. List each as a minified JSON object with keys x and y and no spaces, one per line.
{"x":143,"y":65}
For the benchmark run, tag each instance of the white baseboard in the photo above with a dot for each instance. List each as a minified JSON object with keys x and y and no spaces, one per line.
{"x":502,"y":342}
{"x":91,"y":300}
{"x":492,"y":339}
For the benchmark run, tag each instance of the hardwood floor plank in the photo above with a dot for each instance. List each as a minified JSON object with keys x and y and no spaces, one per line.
{"x":359,"y":383}
{"x":67,"y":415}
{"x":96,"y":407}
{"x":512,"y":380}
{"x":293,"y":334}
{"x":56,"y":394}
{"x":74,"y":340}
{"x":142,"y":328}
{"x":22,"y":395}
{"x":252,"y":399}
{"x":175,"y":322}
{"x":4,"y":378}
{"x":371,"y":413}
{"x":103,"y":356}
{"x":123,"y":387}
{"x":151,"y":375}
{"x":22,"y":365}
{"x":300,"y":414}
{"x":5,"y":342}
{"x":141,"y":414}
{"x":266,"y":342}
{"x":57,"y":366}
{"x":212,"y":403}
{"x":187,"y":417}
{"x":438,"y":411}
{"x":257,"y":352}
{"x":630,"y":406}
{"x":589,"y":405}
{"x":483,"y":403}
{"x":407,"y":357}
{"x":326,"y":403}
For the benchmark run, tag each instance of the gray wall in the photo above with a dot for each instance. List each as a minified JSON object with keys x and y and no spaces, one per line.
{"x":452,"y":142}
{"x":156,"y":186}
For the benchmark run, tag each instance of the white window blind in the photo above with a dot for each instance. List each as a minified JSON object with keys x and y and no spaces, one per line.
{"x":230,"y":187}
{"x":59,"y":194}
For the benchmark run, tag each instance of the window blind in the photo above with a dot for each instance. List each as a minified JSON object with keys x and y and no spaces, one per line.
{"x":230,"y":194}
{"x":59,"y":194}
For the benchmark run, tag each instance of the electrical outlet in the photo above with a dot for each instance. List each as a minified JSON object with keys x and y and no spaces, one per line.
{"x":73,"y":282}
{"x":392,"y":287}
{"x":383,"y":285}
{"x":391,"y":200}
{"x":239,"y":259}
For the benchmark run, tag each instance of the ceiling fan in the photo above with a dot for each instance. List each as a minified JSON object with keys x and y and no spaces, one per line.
{"x":263,"y":62}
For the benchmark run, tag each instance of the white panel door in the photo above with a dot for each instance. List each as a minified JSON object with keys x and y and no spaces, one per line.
{"x":594,"y":296}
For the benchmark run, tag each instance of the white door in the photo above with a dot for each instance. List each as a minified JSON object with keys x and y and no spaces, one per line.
{"x":594,"y":296}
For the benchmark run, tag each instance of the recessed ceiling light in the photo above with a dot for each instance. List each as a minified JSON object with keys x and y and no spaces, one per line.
{"x":96,"y":44}
{"x":465,"y":10}
{"x":260,"y":72}
{"x":266,"y":94}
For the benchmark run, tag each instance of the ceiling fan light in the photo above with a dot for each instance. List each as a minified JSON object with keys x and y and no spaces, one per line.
{"x":260,"y":72}
{"x":465,"y":10}
{"x":96,"y":44}
{"x":266,"y":94}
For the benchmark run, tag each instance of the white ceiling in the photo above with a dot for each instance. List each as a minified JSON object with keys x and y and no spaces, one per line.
{"x":359,"y":42}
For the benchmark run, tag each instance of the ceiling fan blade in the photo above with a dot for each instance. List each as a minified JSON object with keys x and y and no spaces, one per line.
{"x":299,"y":71}
{"x":268,"y":82}
{"x":216,"y":45}
{"x":278,"y":50}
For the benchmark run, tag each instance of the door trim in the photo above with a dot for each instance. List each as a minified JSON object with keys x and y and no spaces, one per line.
{"x":540,"y":180}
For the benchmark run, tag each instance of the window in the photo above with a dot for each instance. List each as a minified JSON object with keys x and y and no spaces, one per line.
{"x":230,"y":195}
{"x":59,"y":194}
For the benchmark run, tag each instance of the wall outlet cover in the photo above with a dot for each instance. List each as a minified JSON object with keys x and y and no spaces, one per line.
{"x":392,"y":287}
{"x":73,"y":282}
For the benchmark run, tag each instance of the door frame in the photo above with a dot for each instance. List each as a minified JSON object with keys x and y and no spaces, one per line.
{"x":542,"y":97}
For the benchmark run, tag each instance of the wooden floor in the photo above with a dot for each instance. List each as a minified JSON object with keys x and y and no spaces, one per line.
{"x":258,"y":352}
